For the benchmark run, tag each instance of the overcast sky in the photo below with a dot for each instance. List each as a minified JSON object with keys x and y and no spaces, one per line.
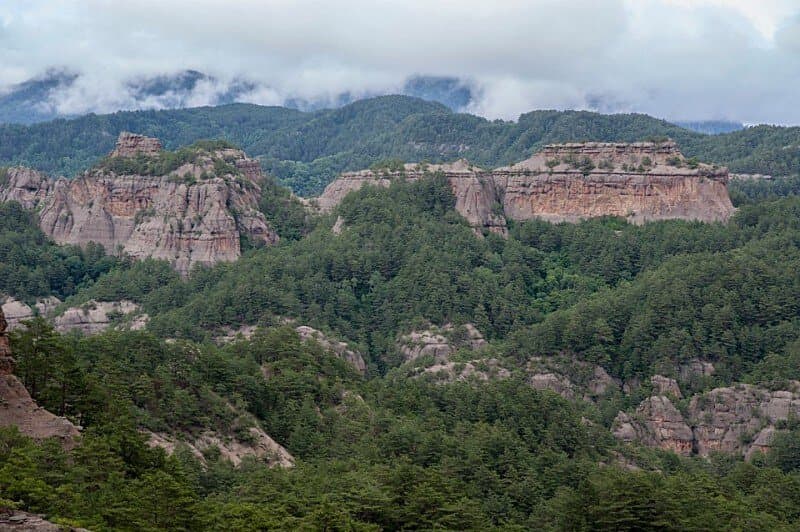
{"x":678,"y":59}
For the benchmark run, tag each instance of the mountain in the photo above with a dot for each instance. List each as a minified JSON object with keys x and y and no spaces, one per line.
{"x":306,"y":150}
{"x":57,"y":93}
{"x":29,"y":102}
{"x":712,"y":127}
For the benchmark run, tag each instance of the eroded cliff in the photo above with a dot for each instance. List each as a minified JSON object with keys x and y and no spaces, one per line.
{"x":640,"y":182}
{"x":17,"y":407}
{"x":194,"y":206}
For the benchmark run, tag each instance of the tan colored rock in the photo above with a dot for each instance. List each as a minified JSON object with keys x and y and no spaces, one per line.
{"x":473,"y":189}
{"x":340,"y":349}
{"x":16,"y":311}
{"x":440,"y":342}
{"x":729,"y":419}
{"x":18,"y":409}
{"x":185,"y":217}
{"x":553,"y":382}
{"x":96,"y":316}
{"x":738,"y":419}
{"x":19,"y":521}
{"x":640,"y":182}
{"x":665,"y":386}
{"x":482,"y":370}
{"x":656,"y":423}
{"x":131,"y":145}
{"x":26,"y":186}
{"x":261,"y":447}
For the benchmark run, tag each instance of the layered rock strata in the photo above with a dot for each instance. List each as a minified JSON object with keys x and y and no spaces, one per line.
{"x":640,"y":182}
{"x":197,"y":213}
{"x":18,"y":409}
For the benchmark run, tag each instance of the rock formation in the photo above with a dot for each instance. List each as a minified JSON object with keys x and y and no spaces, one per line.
{"x":260,"y":446}
{"x":16,"y":311}
{"x":94,"y":317}
{"x":640,"y":182}
{"x":439,"y":342}
{"x":196,"y":213}
{"x":131,"y":145}
{"x":340,"y":349}
{"x":735,"y":419}
{"x":19,"y":521}
{"x":474,"y":189}
{"x":18,"y":409}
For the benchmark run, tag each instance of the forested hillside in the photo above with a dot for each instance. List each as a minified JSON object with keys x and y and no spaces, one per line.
{"x":306,"y":150}
{"x":415,"y":442}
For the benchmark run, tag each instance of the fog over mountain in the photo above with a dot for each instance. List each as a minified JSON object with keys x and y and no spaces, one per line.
{"x":697,"y":60}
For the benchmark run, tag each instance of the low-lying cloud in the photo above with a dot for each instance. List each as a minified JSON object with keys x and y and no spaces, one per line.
{"x":679,"y":59}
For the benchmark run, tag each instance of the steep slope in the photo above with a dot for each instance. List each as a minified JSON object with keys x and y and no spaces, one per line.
{"x":189,"y":207}
{"x":569,"y":182}
{"x":18,"y":409}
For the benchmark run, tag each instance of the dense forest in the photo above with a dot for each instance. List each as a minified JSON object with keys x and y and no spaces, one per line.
{"x":388,"y":450}
{"x":305,"y":150}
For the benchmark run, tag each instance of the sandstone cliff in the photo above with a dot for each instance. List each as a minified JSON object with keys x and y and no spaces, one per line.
{"x":188,"y":207}
{"x":18,"y":409}
{"x":640,"y":182}
{"x":474,"y":189}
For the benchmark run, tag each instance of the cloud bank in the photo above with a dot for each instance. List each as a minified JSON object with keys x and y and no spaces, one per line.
{"x":678,"y":59}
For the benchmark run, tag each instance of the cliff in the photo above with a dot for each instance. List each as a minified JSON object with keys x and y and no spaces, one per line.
{"x":738,"y":419}
{"x":188,"y":207}
{"x":641,"y":182}
{"x":474,"y":189}
{"x":18,"y":409}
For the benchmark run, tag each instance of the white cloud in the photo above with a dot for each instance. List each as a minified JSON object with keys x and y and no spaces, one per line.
{"x":680,"y":59}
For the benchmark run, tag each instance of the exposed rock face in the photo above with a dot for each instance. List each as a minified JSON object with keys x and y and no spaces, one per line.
{"x":570,"y":378}
{"x":131,"y":145}
{"x":553,"y":382}
{"x":440,"y":342}
{"x":666,"y":386}
{"x":738,"y":419}
{"x":656,"y":423}
{"x":17,"y":408}
{"x":569,"y":182}
{"x":261,"y":446}
{"x":94,"y":317}
{"x":482,"y":370}
{"x":193,"y":215}
{"x":16,"y":311}
{"x":18,"y":521}
{"x":340,"y":349}
{"x":474,"y":189}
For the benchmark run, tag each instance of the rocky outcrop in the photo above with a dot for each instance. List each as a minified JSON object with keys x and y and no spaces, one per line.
{"x":439,"y":342}
{"x":259,"y":445}
{"x":640,"y":182}
{"x":131,"y":145}
{"x":656,"y":423}
{"x":482,"y":370}
{"x":18,"y":409}
{"x":19,"y":521}
{"x":17,"y":311}
{"x":570,"y":378}
{"x":96,"y":316}
{"x":738,"y":419}
{"x":665,"y":386}
{"x":340,"y":349}
{"x":473,"y":188}
{"x":196,"y":213}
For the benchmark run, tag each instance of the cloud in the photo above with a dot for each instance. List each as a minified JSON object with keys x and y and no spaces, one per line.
{"x":680,"y":59}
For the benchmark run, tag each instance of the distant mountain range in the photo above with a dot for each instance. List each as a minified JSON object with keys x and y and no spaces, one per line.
{"x":54,"y":94}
